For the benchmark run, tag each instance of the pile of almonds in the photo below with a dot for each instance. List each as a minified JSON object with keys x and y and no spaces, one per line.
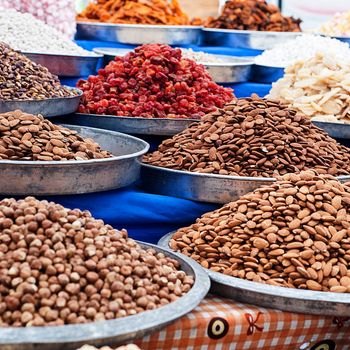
{"x":31,"y":137}
{"x":253,"y":137}
{"x":22,"y":79}
{"x":294,"y":233}
{"x":60,"y":266}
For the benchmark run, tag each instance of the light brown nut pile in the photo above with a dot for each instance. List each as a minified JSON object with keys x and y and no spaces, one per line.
{"x":60,"y":266}
{"x":294,"y":233}
{"x":252,"y":137}
{"x":32,"y":137}
{"x":22,"y":79}
{"x":318,"y":87}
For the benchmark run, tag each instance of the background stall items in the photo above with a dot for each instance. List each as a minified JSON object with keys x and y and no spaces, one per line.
{"x":200,"y":56}
{"x":23,"y":32}
{"x":62,"y":266}
{"x":154,"y":81}
{"x":58,"y":14}
{"x":302,"y":48}
{"x":292,"y":233}
{"x":31,"y":137}
{"x":136,"y":12}
{"x":318,"y":87}
{"x":253,"y":15}
{"x":338,"y":25}
{"x":252,"y":137}
{"x":22,"y":79}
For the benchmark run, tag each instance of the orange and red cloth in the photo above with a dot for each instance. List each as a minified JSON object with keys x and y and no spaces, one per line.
{"x":222,"y":324}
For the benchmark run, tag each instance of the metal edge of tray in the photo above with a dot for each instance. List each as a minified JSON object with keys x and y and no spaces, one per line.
{"x":335,"y":130}
{"x":281,"y":298}
{"x":210,"y":188}
{"x":135,"y":34}
{"x":116,"y":331}
{"x":49,"y":107}
{"x":247,"y":39}
{"x":133,"y":125}
{"x":265,"y":74}
{"x":67,"y":65}
{"x":78,"y":176}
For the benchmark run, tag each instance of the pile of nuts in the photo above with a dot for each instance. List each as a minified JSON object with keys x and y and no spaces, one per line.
{"x":318,"y":87}
{"x":31,"y":137}
{"x":338,"y":25}
{"x":294,"y":233}
{"x":22,"y":79}
{"x":60,"y":266}
{"x":253,"y":15}
{"x":154,"y":81}
{"x":252,"y":137}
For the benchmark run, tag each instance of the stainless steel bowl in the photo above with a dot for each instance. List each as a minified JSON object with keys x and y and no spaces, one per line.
{"x":136,"y":34}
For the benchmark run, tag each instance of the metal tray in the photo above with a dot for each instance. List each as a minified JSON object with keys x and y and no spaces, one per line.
{"x":136,"y":34}
{"x":266,"y":74}
{"x":49,"y":107}
{"x":281,"y":298}
{"x":335,"y":130}
{"x":67,"y":65}
{"x":245,"y":39}
{"x":111,"y":332}
{"x":233,"y":69}
{"x":211,"y":188}
{"x":73,"y":177}
{"x":132,"y":125}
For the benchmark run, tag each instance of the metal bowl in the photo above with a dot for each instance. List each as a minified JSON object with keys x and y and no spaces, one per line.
{"x":77,"y":176}
{"x":266,"y":74}
{"x":228,"y":69}
{"x":335,"y":130}
{"x":133,"y":125}
{"x":211,"y":188}
{"x":245,"y":39}
{"x":111,"y":332}
{"x":136,"y":34}
{"x":67,"y":65}
{"x":49,"y":107}
{"x":281,"y":298}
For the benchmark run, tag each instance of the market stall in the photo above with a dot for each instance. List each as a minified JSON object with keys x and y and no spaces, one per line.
{"x":167,"y":132}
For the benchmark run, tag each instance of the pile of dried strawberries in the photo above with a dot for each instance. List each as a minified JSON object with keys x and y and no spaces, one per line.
{"x":154,"y":81}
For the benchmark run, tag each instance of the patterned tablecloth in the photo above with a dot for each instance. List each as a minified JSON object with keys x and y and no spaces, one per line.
{"x":222,"y":324}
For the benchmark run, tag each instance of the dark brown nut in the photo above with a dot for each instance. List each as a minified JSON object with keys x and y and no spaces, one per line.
{"x":285,"y":249}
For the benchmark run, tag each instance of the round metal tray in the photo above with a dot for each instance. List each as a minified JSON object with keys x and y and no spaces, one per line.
{"x":233,"y":69}
{"x":111,"y":332}
{"x":281,"y":298}
{"x":132,"y":125}
{"x":335,"y":130}
{"x":77,"y":176}
{"x":211,"y":188}
{"x":245,"y":39}
{"x":266,"y":74}
{"x":136,"y":34}
{"x":50,"y":107}
{"x":67,"y":65}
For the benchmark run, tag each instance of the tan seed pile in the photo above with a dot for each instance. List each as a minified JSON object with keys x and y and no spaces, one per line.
{"x":252,"y":137}
{"x":60,"y":266}
{"x":32,"y":137}
{"x":22,"y":79}
{"x":294,"y":233}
